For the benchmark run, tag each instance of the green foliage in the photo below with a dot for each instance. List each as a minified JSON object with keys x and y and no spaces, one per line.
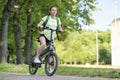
{"x":79,"y":45}
{"x":105,"y":55}
{"x":104,"y":48}
{"x":80,"y":48}
{"x":2,"y":3}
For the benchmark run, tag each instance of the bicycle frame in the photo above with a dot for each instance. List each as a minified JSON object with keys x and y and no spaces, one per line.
{"x":50,"y":45}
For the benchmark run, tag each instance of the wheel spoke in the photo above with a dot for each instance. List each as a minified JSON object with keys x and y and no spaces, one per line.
{"x":51,"y":64}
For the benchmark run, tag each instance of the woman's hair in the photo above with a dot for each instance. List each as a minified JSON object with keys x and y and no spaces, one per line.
{"x":51,"y":8}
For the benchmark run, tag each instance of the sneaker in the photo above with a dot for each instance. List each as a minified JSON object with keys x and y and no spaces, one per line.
{"x":36,"y":60}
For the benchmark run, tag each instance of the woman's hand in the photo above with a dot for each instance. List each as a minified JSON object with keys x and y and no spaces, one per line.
{"x":40,"y":24}
{"x":61,"y":31}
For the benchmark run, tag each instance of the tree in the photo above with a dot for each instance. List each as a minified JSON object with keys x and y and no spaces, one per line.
{"x":4,"y":30}
{"x":28,"y":37}
{"x":17,"y":34}
{"x":104,"y":47}
{"x":80,"y":48}
{"x":17,"y":30}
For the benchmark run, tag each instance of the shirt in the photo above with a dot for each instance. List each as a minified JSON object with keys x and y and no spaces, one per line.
{"x":52,"y":23}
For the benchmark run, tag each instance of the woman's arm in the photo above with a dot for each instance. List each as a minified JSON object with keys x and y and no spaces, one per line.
{"x":60,"y":28}
{"x":40,"y":24}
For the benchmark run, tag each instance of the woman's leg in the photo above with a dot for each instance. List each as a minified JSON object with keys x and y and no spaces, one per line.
{"x":40,"y":48}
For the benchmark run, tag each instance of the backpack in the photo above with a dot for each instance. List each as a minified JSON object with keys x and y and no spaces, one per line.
{"x":44,"y":24}
{"x":48,"y":19}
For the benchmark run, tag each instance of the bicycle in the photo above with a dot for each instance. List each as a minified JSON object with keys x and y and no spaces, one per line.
{"x":47,"y":57}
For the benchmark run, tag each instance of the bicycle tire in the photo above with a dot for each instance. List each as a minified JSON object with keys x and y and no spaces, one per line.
{"x":33,"y":67}
{"x":49,"y":65}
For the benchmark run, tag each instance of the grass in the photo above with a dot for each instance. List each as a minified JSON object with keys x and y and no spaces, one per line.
{"x":65,"y":70}
{"x":13,"y":68}
{"x":1,"y":79}
{"x":89,"y":72}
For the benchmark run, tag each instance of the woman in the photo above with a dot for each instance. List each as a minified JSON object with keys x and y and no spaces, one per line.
{"x":45,"y":35}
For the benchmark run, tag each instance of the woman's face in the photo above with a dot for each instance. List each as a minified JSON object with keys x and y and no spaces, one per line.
{"x":53,"y":11}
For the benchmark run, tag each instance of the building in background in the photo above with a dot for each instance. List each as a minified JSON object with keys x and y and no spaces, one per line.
{"x":115,"y":42}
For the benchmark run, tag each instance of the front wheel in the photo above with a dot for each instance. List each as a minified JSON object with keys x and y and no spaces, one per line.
{"x":51,"y":64}
{"x":33,"y":67}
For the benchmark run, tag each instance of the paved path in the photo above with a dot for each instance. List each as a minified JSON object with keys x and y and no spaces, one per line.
{"x":12,"y":76}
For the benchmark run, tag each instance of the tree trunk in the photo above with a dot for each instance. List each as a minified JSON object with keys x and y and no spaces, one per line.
{"x":28,"y":37}
{"x":17,"y":35}
{"x":4,"y":31}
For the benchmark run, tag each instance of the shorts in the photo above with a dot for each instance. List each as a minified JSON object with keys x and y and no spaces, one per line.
{"x":42,"y":35}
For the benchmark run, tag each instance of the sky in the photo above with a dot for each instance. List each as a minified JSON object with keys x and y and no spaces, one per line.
{"x":105,"y":16}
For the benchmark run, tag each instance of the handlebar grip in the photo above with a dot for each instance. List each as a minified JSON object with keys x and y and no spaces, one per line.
{"x":45,"y":27}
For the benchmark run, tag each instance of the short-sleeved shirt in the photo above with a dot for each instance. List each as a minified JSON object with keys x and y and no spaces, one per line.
{"x":52,"y":23}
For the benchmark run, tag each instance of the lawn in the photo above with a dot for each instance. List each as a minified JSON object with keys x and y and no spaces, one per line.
{"x":66,"y":70}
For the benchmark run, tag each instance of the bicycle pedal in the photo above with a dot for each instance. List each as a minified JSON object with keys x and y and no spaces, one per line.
{"x":33,"y":65}
{"x":39,"y":65}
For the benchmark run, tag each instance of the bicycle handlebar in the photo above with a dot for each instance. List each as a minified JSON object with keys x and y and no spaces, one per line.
{"x":52,"y":29}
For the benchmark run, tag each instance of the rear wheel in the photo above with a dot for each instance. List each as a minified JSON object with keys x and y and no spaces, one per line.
{"x":33,"y":67}
{"x":51,"y":64}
